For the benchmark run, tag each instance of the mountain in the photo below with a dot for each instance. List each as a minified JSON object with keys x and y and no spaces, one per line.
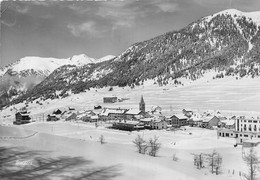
{"x":227,"y":43}
{"x":24,"y":74}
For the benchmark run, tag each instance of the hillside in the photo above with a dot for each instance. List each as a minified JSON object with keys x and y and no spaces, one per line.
{"x":227,"y":42}
{"x":22,"y":75}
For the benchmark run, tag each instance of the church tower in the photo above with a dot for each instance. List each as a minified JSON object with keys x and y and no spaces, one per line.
{"x":142,"y":105}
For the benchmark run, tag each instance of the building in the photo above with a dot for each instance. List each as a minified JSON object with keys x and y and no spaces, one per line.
{"x":112,"y":114}
{"x":156,"y":110}
{"x":146,"y":122}
{"x":159,"y":124}
{"x":178,"y":120}
{"x":22,"y":117}
{"x":52,"y":117}
{"x":133,"y":114}
{"x":247,"y":129}
{"x":111,"y":99}
{"x":71,"y":116}
{"x":128,"y":125}
{"x":57,"y":112}
{"x":228,"y":124}
{"x":142,"y":105}
{"x":209,"y":121}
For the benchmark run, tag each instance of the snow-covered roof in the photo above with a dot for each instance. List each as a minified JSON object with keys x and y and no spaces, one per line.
{"x":228,"y":122}
{"x":106,"y":112}
{"x":146,"y":119}
{"x":207,"y":119}
{"x":133,"y":111}
{"x":180,"y":116}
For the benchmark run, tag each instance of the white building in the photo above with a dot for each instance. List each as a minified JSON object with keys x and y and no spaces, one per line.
{"x":247,"y":129}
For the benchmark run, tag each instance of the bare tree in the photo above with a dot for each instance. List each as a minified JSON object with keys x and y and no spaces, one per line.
{"x":253,"y":163}
{"x":215,"y":162}
{"x":140,"y":144}
{"x":198,"y":160}
{"x":101,"y":139}
{"x":154,"y":146}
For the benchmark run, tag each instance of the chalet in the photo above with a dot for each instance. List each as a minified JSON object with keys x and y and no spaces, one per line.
{"x":111,"y":99}
{"x":133,"y":114}
{"x":209,"y":122}
{"x":57,"y":112}
{"x":146,"y":122}
{"x":71,"y":116}
{"x":195,"y":120}
{"x":156,"y":110}
{"x":178,"y":120}
{"x":71,"y":108}
{"x":112,"y":114}
{"x":22,"y":117}
{"x":52,"y":117}
{"x":159,"y":124}
{"x":187,"y":112}
{"x":97,"y":107}
{"x":128,"y":125}
{"x":228,"y":124}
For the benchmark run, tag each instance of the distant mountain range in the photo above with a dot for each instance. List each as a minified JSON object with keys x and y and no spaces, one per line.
{"x":19,"y":77}
{"x":227,"y":42}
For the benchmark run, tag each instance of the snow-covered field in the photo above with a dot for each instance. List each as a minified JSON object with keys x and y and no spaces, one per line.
{"x":82,"y":139}
{"x":228,"y":95}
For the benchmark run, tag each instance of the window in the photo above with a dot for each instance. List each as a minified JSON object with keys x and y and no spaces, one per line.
{"x":255,"y":121}
{"x":249,"y":121}
{"x":244,"y":120}
{"x":245,"y":135}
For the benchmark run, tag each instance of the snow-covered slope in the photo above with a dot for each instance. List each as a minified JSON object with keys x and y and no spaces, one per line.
{"x":24,"y":74}
{"x":236,"y":14}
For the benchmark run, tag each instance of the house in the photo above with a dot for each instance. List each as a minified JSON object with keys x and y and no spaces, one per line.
{"x":178,"y":120}
{"x":57,"y":112}
{"x":195,"y":120}
{"x":111,"y":99}
{"x":128,"y":125}
{"x":22,"y":117}
{"x":52,"y":117}
{"x":146,"y":122}
{"x":228,"y":124}
{"x":71,"y":108}
{"x":133,"y":114}
{"x":97,"y":107}
{"x":71,"y":116}
{"x":187,"y":112}
{"x":159,"y":124}
{"x":112,"y":114}
{"x":209,"y":121}
{"x":156,"y":110}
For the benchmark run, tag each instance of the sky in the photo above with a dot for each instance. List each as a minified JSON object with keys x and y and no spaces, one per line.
{"x":98,"y":28}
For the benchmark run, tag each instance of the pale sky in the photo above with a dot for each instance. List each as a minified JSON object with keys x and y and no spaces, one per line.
{"x":96,"y":28}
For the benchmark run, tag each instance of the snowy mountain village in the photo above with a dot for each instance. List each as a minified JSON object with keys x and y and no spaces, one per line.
{"x":246,"y":130}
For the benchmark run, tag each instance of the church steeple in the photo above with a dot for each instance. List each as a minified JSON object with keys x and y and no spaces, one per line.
{"x":142,"y":104}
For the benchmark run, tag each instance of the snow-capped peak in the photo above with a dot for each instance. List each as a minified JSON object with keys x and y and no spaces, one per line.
{"x":254,"y":16}
{"x":47,"y":65}
{"x":82,"y":59}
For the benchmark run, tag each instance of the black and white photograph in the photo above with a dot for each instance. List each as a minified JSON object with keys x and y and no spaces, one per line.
{"x":130,"y":90}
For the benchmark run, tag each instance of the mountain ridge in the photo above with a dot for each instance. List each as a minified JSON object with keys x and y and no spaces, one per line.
{"x":221,"y":42}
